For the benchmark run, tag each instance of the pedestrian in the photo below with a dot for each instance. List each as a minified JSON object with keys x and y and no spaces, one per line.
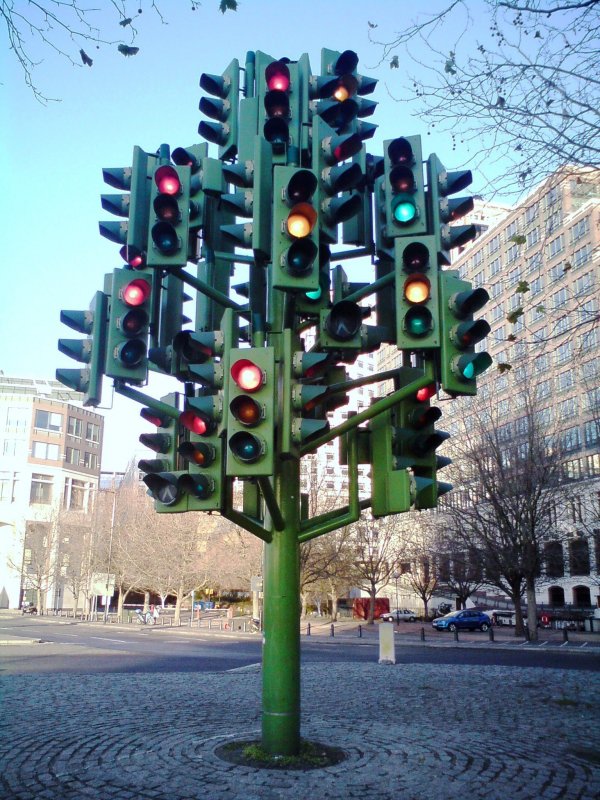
{"x":155,"y":614}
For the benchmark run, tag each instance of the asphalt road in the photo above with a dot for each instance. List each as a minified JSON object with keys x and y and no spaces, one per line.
{"x":94,"y":648}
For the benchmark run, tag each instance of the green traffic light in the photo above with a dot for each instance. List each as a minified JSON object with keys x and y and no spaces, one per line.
{"x":404,"y":210}
{"x":418,"y":322}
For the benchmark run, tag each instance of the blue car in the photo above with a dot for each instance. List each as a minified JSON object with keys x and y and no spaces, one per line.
{"x":468,"y":619}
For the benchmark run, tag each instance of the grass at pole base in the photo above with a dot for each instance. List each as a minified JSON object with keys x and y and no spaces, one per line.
{"x":313,"y":755}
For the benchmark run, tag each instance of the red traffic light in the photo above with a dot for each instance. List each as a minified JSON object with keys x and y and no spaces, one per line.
{"x":196,"y":422}
{"x":136,"y":292}
{"x":167,"y":180}
{"x":277,"y":76}
{"x":415,"y":257}
{"x":247,"y":375}
{"x":426,"y":393}
{"x":155,"y":417}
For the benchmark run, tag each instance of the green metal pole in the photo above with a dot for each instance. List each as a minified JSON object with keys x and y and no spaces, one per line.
{"x":281,"y":649}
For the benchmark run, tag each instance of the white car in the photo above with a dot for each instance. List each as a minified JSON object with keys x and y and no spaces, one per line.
{"x":399,"y":615}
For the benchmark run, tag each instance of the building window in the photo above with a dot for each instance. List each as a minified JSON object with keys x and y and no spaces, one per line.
{"x":535,"y":262}
{"x":536,"y":285}
{"x":90,"y":460}
{"x":579,"y":557}
{"x":48,"y":421}
{"x":589,"y":340}
{"x":571,"y":439}
{"x":92,"y":433}
{"x":568,"y":408}
{"x":554,"y":221}
{"x":8,"y":486}
{"x":73,"y":456}
{"x":583,"y":284}
{"x":559,"y":298}
{"x":41,"y":489}
{"x":494,"y":244}
{"x":512,"y":253}
{"x":495,"y":267}
{"x":45,"y":451}
{"x":531,"y":213}
{"x":556,"y":246}
{"x":75,"y":427}
{"x":566,"y":380}
{"x":580,"y":229}
{"x":552,"y":196}
{"x":533,"y":237}
{"x":582,"y":256}
{"x":554,"y":559}
{"x":563,"y":353}
{"x":16,"y":420}
{"x":591,"y":433}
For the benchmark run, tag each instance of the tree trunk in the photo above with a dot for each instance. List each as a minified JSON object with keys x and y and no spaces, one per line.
{"x":531,"y":610}
{"x":372,"y":595}
{"x":304,"y":599}
{"x":178,"y":602}
{"x":334,"y":605}
{"x":146,"y":602}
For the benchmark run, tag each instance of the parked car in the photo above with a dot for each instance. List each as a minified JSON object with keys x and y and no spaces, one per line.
{"x":400,"y":614}
{"x":28,"y":608}
{"x":468,"y":619}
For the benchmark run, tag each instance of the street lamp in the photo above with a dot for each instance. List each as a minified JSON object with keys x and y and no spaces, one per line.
{"x":395,"y":576}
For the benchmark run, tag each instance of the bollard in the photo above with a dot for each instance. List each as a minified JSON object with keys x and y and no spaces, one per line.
{"x":422,"y":634}
{"x":456,"y":635}
{"x":308,"y":629}
{"x":527,"y":636}
{"x":360,"y":631}
{"x":332,"y":630}
{"x":491,"y":632}
{"x":565,"y":635}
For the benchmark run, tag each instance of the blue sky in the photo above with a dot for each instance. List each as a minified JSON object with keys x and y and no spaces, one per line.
{"x":53,"y":255}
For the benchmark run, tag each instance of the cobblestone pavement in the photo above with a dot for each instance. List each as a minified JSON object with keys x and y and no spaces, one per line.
{"x":409,"y":732}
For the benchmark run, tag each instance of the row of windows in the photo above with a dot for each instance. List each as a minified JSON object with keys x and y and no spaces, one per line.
{"x":51,"y":421}
{"x":555,"y":247}
{"x":76,"y":494}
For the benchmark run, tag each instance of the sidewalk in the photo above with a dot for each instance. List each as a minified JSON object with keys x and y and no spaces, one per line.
{"x":409,"y":732}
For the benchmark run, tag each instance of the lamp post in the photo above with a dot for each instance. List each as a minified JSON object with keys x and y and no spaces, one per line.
{"x":395,"y":576}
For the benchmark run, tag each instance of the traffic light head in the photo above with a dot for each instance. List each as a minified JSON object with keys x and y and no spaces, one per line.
{"x":90,"y":351}
{"x":171,"y":203}
{"x":417,"y":311}
{"x":443,"y":210}
{"x":295,"y":230}
{"x":460,"y":364}
{"x":131,"y":313}
{"x":223,"y":107}
{"x":251,"y":413}
{"x":403,"y":188}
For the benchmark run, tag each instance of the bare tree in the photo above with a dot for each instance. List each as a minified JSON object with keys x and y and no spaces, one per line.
{"x":38,"y":569}
{"x":460,"y":569}
{"x":66,"y":27}
{"x":508,"y":476}
{"x":418,"y":555}
{"x":375,"y":552}
{"x":519,"y":82}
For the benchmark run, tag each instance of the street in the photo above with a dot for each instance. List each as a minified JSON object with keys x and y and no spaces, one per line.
{"x":88,"y":648}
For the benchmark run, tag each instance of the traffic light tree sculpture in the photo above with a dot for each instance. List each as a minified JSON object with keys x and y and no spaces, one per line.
{"x":254,"y":399}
